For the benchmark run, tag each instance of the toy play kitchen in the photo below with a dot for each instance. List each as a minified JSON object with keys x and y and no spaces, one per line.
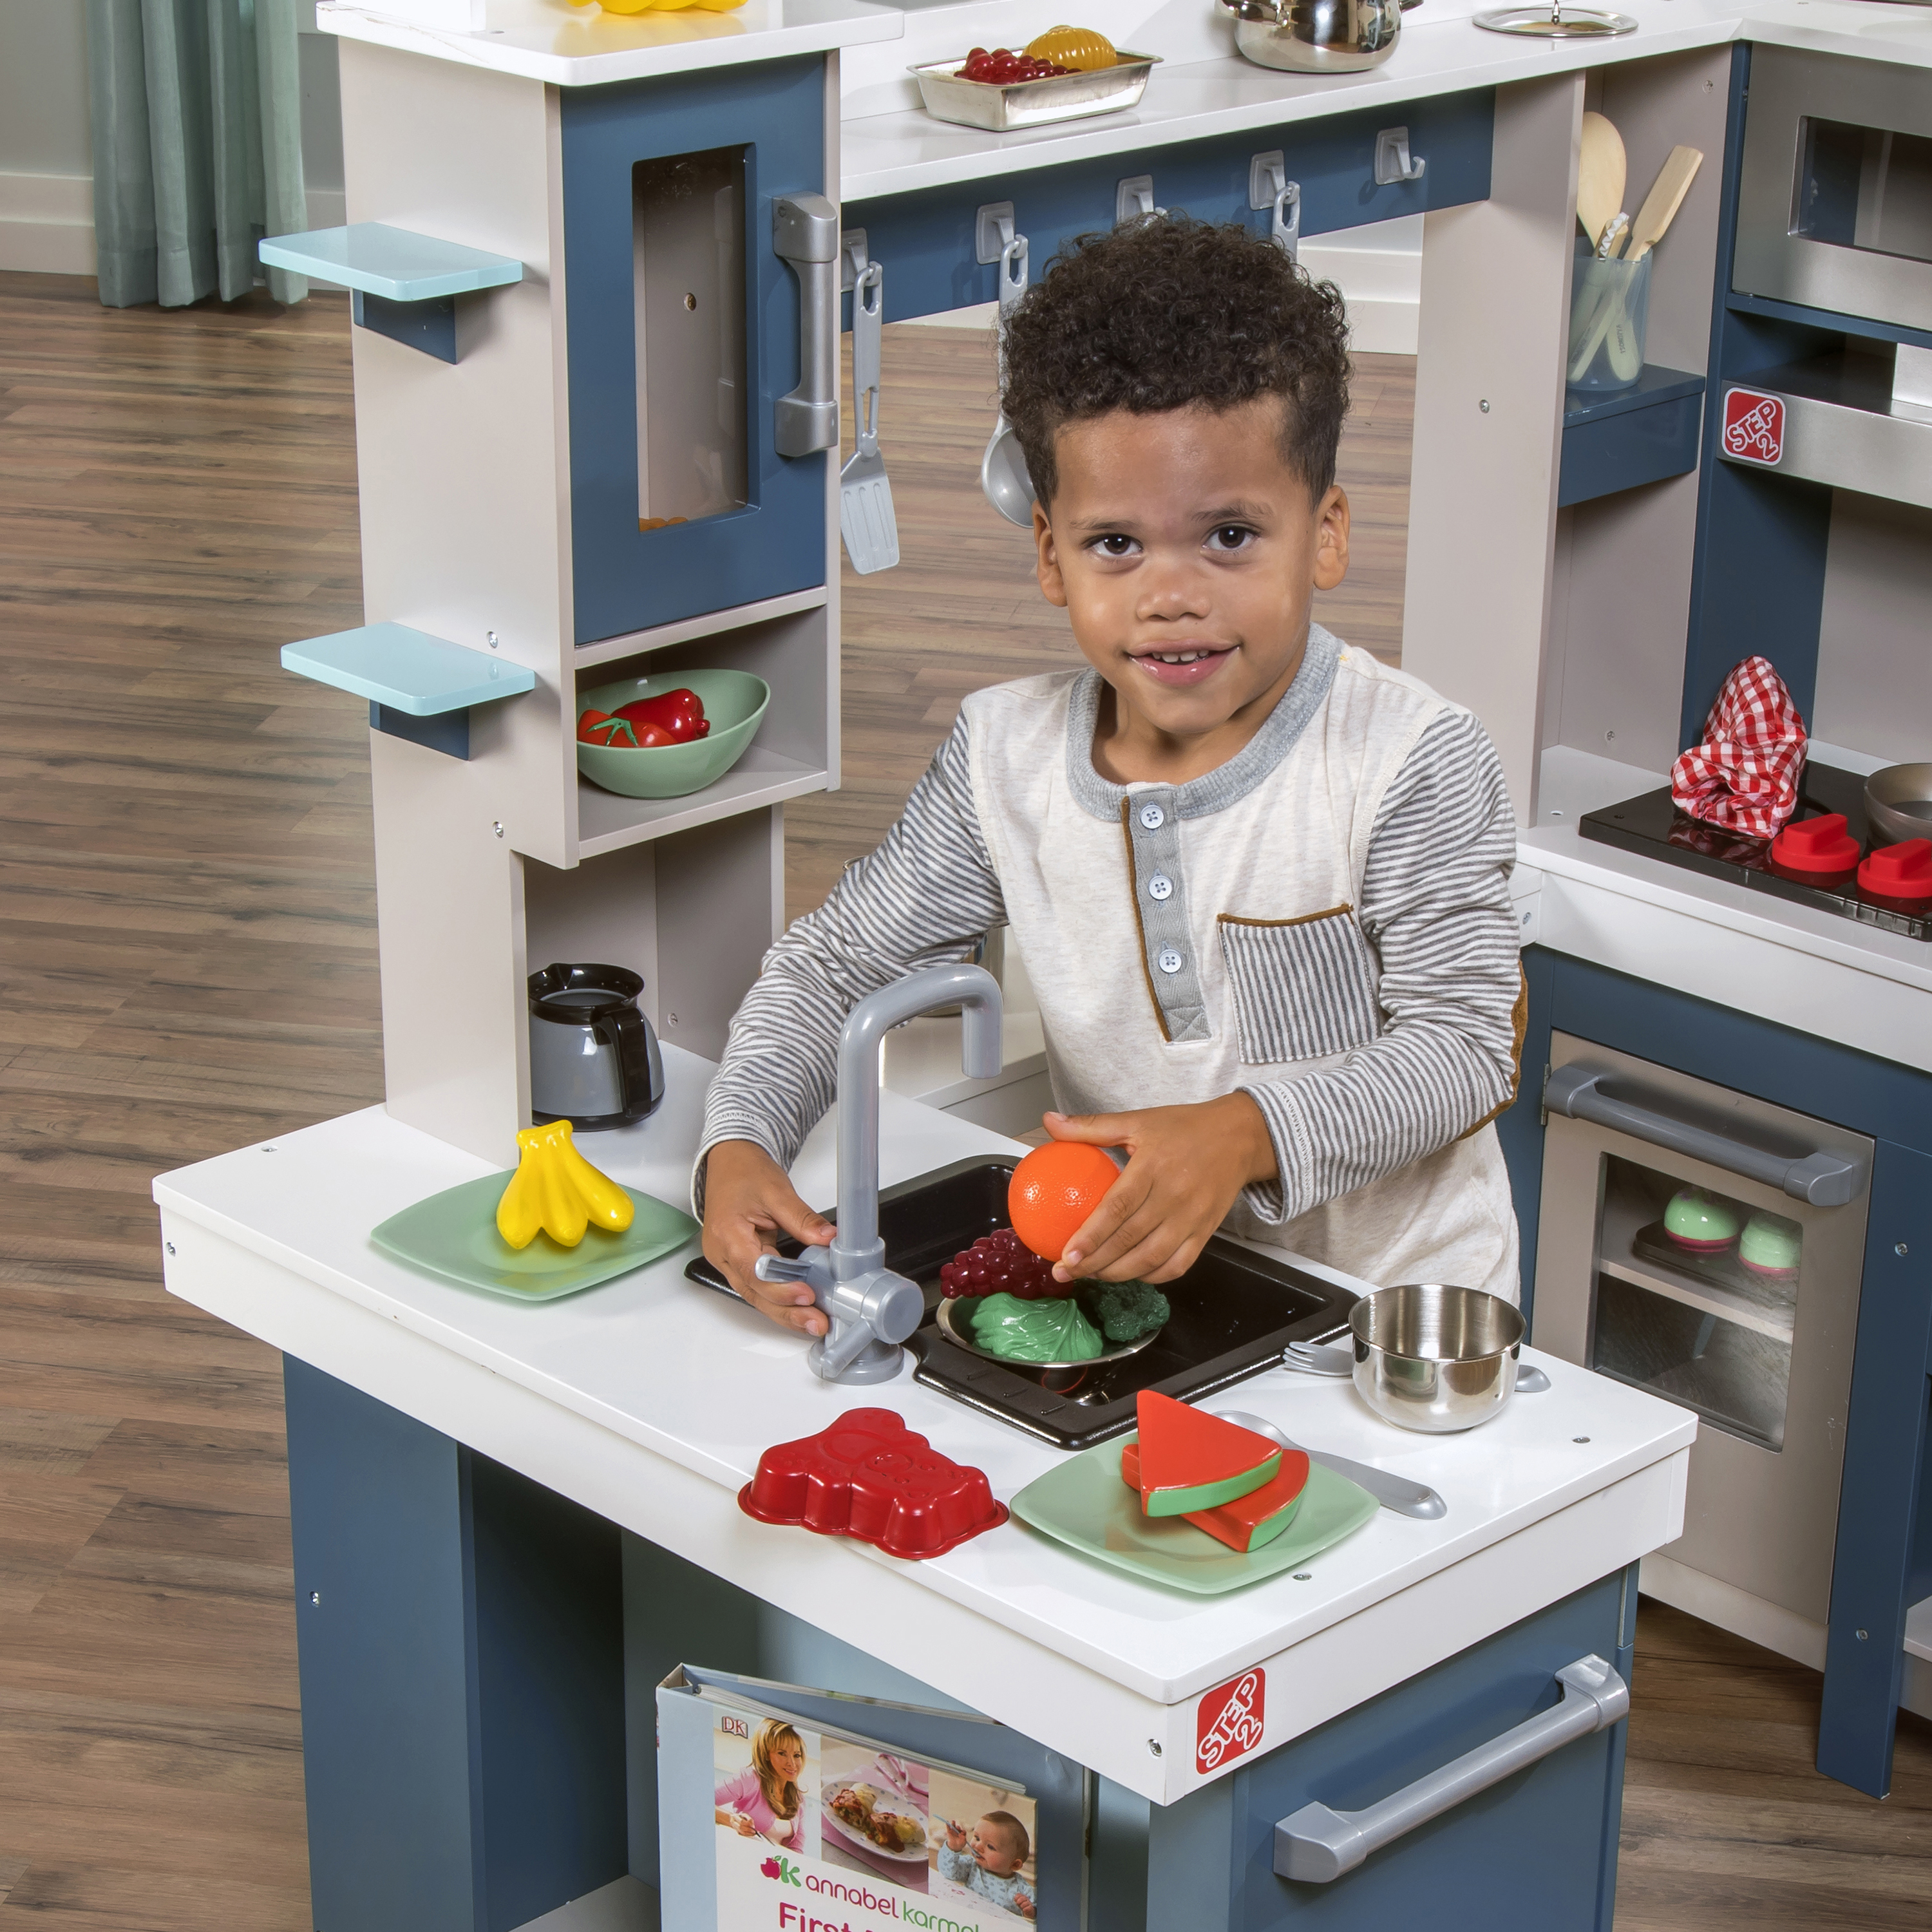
{"x":597,"y":259}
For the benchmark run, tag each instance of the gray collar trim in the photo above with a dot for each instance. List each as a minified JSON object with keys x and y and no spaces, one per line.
{"x":1226,"y":785}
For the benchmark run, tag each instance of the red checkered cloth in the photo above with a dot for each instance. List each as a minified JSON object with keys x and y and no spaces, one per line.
{"x":1744,"y":775}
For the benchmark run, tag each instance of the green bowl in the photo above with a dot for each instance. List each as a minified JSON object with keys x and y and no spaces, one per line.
{"x":734,"y":700}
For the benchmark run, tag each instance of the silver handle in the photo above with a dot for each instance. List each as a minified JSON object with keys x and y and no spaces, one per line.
{"x":805,"y":232}
{"x":1316,"y":1845}
{"x":1818,"y":1175}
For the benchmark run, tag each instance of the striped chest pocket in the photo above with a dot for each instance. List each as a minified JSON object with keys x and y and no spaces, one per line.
{"x":1304,"y":988}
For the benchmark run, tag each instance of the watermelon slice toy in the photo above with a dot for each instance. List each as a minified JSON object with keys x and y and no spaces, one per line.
{"x":1191,"y":1461}
{"x":1251,"y":1522}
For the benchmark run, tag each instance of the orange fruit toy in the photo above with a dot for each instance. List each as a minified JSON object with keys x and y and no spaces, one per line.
{"x":1054,"y":1190}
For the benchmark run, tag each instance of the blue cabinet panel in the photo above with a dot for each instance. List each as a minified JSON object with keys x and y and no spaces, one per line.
{"x":925,"y":240}
{"x":1883,"y":1562}
{"x":1877,"y":1572}
{"x":624,"y":578}
{"x":1538,"y":1850}
{"x":1637,"y":436}
{"x":460,"y":1644}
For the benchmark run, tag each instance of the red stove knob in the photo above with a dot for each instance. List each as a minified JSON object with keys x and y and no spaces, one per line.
{"x":1899,"y":871}
{"x":1818,"y":846}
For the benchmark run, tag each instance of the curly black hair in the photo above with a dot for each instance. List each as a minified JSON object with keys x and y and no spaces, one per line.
{"x":1167,"y":314}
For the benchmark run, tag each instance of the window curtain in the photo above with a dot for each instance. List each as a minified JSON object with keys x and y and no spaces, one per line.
{"x":197,"y":146}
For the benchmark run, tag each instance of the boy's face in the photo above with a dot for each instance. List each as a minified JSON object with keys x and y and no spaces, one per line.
{"x":1186,"y":554}
{"x":994,"y":1847}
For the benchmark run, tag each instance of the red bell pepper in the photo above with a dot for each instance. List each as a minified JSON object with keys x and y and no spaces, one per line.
{"x":680,"y":712}
{"x":601,"y":727}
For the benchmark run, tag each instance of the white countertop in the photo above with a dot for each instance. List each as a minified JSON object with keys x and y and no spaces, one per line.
{"x":650,"y":1400}
{"x":582,"y":47}
{"x":1204,"y":88}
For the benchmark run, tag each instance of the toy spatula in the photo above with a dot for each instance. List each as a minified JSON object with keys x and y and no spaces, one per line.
{"x":865,"y":518}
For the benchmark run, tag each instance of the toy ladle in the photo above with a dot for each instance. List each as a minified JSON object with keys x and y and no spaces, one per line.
{"x":872,"y":1309}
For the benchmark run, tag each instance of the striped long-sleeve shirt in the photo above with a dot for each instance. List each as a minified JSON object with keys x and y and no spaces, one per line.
{"x":1322,"y":922}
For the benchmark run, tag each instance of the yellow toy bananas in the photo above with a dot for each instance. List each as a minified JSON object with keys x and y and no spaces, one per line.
{"x":556,"y":1192}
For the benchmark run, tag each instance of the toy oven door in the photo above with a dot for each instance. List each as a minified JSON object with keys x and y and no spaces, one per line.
{"x":685,"y":327}
{"x":1690,"y":1278}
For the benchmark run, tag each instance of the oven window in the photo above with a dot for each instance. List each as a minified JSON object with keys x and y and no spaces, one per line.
{"x":688,"y":248}
{"x":1696,"y":1298}
{"x":1863,"y":188}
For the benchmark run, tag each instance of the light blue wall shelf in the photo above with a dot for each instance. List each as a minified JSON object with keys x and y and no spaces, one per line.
{"x":407,"y":670}
{"x":375,"y":259}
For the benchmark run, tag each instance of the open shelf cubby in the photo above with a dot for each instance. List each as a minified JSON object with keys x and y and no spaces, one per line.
{"x":793,"y":752}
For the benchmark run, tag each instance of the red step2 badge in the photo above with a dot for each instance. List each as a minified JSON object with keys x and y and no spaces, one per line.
{"x":1754,"y":426}
{"x":1229,"y":1720}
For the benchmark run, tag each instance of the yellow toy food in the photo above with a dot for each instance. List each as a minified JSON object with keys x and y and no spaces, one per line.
{"x":669,"y":6}
{"x":1079,"y":48}
{"x":556,"y":1192}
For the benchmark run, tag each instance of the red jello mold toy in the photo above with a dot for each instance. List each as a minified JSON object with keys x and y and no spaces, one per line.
{"x":1902,"y":872}
{"x":869,"y":1476}
{"x":1820,"y":848}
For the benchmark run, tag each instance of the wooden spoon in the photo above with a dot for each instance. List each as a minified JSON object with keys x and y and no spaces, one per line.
{"x":1600,"y":174}
{"x":1666,"y":197}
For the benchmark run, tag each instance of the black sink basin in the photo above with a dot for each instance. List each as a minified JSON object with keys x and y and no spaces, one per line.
{"x":1235,"y":1311}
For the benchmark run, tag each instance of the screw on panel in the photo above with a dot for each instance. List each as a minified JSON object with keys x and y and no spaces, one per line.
{"x":1483,"y":405}
{"x":1154,"y":1745}
{"x":492,"y":640}
{"x":1862,"y":1635}
{"x":315,"y":1596}
{"x":497,"y":827}
{"x":1901,"y":1249}
{"x":169,"y":1246}
{"x":1304,"y":1576}
{"x":1580,"y":1438}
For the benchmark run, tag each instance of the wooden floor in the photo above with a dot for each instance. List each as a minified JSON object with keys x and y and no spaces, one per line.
{"x":188,"y":963}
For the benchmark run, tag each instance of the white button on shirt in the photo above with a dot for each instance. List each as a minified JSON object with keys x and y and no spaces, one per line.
{"x":1169,"y":962}
{"x":1160,"y":886}
{"x":1153,"y":817}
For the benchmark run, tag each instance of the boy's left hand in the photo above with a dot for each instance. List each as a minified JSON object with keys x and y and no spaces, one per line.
{"x":1186,"y":1166}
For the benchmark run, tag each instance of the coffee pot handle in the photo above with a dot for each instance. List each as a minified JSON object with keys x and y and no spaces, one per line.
{"x":632,"y":1033}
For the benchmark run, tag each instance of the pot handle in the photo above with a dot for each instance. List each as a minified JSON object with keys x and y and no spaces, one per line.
{"x":1821,"y":1176}
{"x":631,"y":1037}
{"x":1316,"y":1845}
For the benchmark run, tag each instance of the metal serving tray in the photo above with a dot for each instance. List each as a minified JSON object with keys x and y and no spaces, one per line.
{"x":1032,"y":103}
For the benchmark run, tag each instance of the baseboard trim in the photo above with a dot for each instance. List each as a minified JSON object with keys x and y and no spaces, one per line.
{"x":624,"y":1905}
{"x":1713,"y":1601}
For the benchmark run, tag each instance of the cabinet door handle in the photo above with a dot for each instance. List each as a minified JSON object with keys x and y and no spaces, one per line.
{"x":1819,"y":1175}
{"x":1316,"y":1845}
{"x":805,"y":232}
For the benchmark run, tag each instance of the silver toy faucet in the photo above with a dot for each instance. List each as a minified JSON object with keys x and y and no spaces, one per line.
{"x":872,"y":1309}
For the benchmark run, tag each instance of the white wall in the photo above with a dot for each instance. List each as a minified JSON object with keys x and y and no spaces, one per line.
{"x":46,"y":165}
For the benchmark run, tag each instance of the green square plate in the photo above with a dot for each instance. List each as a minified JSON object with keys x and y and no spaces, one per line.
{"x":453,"y":1235}
{"x":1085,"y":1505}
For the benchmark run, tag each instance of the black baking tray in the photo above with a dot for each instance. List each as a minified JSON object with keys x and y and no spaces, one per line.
{"x":1651,"y":825}
{"x":1234,"y":1311}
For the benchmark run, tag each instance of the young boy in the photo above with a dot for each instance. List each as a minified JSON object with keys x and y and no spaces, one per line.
{"x":1259,"y":881}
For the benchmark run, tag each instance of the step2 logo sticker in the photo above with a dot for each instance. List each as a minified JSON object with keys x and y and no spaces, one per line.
{"x":1754,"y":426}
{"x":1229,"y":1720}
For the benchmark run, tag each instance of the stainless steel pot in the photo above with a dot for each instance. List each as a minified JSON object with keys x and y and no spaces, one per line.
{"x":1317,"y":36}
{"x":1433,"y":1358}
{"x":1898,"y":804}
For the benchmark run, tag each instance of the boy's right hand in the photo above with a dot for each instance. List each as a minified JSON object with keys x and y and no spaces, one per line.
{"x":748,"y":1202}
{"x":955,"y":1835}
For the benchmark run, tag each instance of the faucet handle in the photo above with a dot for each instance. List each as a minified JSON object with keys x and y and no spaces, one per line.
{"x":778,"y":1268}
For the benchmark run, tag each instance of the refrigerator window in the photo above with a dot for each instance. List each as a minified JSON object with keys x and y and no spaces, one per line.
{"x":1863,"y":188}
{"x":687,"y":232}
{"x":1696,"y":1298}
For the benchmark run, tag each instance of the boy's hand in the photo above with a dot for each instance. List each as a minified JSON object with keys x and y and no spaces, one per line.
{"x":748,"y":1201}
{"x":1186,"y":1166}
{"x":955,"y":1835}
